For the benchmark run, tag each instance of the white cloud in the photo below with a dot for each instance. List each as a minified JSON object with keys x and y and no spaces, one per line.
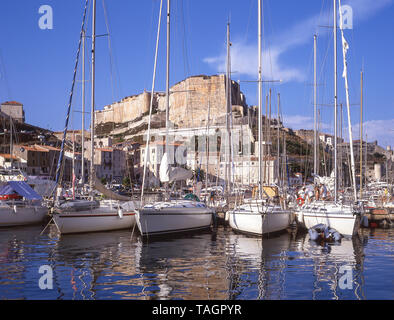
{"x":244,"y":60}
{"x":244,"y":55}
{"x":302,"y":122}
{"x":380,"y":130}
{"x":363,"y":9}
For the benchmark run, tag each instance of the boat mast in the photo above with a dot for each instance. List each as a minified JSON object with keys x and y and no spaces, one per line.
{"x":11,"y":142}
{"x":366,"y":161}
{"x":335,"y":103}
{"x":260,"y":81}
{"x":151,"y":104}
{"x":83,"y":110}
{"x":207,"y":146}
{"x":361,"y":136}
{"x":168,"y":75}
{"x":92,"y":98}
{"x":228,"y":113}
{"x":269,"y":142}
{"x":73,"y":167}
{"x":314,"y":109}
{"x":167,"y":89}
{"x":278,"y":142}
{"x":353,"y":167}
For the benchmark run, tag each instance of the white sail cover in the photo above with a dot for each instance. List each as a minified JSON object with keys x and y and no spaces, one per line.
{"x":164,"y":169}
{"x":178,"y":173}
{"x":110,"y":194}
{"x":169,"y":174}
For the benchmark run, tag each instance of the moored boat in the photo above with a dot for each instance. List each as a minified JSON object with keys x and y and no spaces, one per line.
{"x":173,"y":216}
{"x":322,"y":232}
{"x":259,"y":218}
{"x":20,"y":205}
{"x":91,"y":216}
{"x":344,"y":218}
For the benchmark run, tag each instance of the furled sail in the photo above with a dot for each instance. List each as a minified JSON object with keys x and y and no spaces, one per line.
{"x":169,"y":174}
{"x":165,"y":168}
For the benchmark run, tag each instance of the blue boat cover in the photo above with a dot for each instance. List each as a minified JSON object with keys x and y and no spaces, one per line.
{"x":21,"y":188}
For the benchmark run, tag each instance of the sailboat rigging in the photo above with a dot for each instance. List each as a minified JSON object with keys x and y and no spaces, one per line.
{"x":171,"y":216}
{"x":336,"y":214}
{"x":79,"y":215}
{"x":260,"y":216}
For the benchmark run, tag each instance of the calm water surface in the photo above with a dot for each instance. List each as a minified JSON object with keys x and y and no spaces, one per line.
{"x":215,"y":264}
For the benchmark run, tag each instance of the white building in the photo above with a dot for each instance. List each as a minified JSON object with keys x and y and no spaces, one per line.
{"x":5,"y":161}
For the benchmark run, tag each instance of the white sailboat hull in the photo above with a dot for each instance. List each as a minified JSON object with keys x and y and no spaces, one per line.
{"x":259,"y":222}
{"x":173,"y":218}
{"x":18,"y":215}
{"x":103,"y":218}
{"x":344,"y":224}
{"x":340,"y":218}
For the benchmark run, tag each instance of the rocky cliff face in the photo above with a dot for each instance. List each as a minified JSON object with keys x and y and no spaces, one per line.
{"x":190,"y":100}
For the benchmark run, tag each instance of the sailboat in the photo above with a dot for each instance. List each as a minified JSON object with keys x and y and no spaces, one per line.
{"x":170,"y":216}
{"x":259,"y":216}
{"x":20,"y":205}
{"x":76,"y":216}
{"x":344,"y":218}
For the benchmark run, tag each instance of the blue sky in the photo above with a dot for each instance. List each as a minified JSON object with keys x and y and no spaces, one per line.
{"x":36,"y":65}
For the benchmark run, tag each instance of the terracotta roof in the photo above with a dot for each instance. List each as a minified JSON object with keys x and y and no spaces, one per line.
{"x":105,"y":149}
{"x":162,"y":143}
{"x":13,"y":103}
{"x":47,"y":147}
{"x":8,"y":156}
{"x":33,"y":148}
{"x":70,"y":131}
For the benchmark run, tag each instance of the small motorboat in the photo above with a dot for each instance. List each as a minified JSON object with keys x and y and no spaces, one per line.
{"x":322,"y":232}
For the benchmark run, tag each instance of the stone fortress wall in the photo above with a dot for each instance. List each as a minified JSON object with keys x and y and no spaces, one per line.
{"x":189,"y":101}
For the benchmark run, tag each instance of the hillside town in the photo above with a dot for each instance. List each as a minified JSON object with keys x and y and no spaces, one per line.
{"x":198,"y":119}
{"x":169,"y":180}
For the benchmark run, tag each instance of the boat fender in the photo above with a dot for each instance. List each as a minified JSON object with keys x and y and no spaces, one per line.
{"x":313,"y":234}
{"x":337,"y":236}
{"x":214,"y":221}
{"x":120,"y":213}
{"x":300,"y":201}
{"x":364,"y":221}
{"x":331,"y":234}
{"x":14,"y":208}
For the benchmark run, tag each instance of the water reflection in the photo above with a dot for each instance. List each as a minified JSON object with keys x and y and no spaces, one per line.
{"x":95,"y":265}
{"x":185,"y":267}
{"x":214,"y":264}
{"x":259,"y":264}
{"x":331,"y":263}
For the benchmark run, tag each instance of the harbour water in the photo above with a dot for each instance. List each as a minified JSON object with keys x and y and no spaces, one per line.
{"x":210,"y":265}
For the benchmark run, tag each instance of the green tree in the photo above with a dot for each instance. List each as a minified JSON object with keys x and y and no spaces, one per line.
{"x":126,"y":182}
